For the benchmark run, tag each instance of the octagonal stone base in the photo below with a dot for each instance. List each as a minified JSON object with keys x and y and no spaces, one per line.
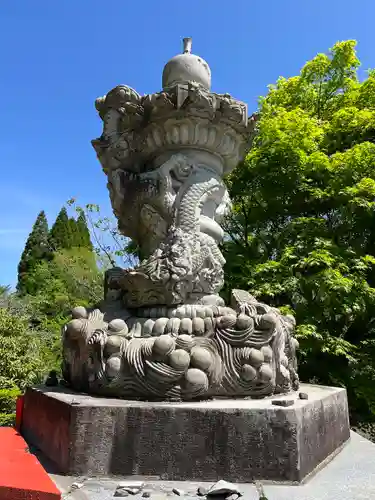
{"x":239,"y":440}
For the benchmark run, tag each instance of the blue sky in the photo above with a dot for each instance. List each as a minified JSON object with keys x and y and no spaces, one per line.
{"x":57,"y":57}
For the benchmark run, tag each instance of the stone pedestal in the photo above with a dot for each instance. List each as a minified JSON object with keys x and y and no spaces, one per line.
{"x":241,"y":440}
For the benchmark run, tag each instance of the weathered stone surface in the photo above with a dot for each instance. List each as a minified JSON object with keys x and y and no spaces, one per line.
{"x":121,"y":492}
{"x":283,"y":402}
{"x":249,"y":352}
{"x":223,"y":487}
{"x":349,"y":476}
{"x":242,"y":440}
{"x":178,"y":492}
{"x":202,"y":491}
{"x":165,"y":155}
{"x":186,"y":68}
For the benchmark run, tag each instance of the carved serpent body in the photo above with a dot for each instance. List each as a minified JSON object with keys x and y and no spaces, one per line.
{"x":188,"y":264}
{"x":203,"y":184}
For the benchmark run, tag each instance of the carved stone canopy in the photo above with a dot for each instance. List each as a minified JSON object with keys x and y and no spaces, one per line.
{"x":185,"y":115}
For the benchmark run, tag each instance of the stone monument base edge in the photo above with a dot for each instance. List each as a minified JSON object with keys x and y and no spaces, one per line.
{"x":281,"y":439}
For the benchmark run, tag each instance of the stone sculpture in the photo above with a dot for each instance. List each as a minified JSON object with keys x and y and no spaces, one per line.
{"x":163,"y":332}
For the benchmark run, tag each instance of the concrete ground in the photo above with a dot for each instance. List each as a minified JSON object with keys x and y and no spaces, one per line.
{"x":349,"y":476}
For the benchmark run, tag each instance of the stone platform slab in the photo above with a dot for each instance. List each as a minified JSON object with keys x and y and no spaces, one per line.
{"x":243,"y":440}
{"x":349,"y":476}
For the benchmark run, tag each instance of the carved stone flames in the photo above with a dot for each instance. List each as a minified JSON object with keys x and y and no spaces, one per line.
{"x":164,"y":332}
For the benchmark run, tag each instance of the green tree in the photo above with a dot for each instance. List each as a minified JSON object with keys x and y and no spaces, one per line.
{"x":67,"y":232}
{"x":110,"y":246}
{"x":23,"y":360}
{"x":74,"y":238}
{"x":4,"y":290}
{"x":61,"y":232}
{"x":84,"y":238}
{"x":302,"y":233}
{"x":36,"y":250}
{"x":30,"y":325}
{"x":71,"y":278}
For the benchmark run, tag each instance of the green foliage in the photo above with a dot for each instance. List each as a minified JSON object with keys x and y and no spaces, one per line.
{"x":8,"y":398}
{"x":41,"y":246}
{"x":20,"y":349}
{"x":77,"y":272}
{"x":67,"y":232}
{"x":7,"y":419}
{"x":22,"y":361}
{"x":61,"y":232}
{"x":302,"y":234}
{"x":4,"y":290}
{"x":30,"y":324}
{"x":71,"y":278}
{"x":83,"y":232}
{"x":111,"y":247}
{"x":36,"y":250}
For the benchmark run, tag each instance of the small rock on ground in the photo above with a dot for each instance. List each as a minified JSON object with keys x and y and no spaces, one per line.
{"x":125,"y":488}
{"x":223,"y":488}
{"x":202,"y":491}
{"x":283,"y":402}
{"x":124,"y":492}
{"x":76,"y":486}
{"x":120,"y":492}
{"x":131,"y":484}
{"x":178,"y":492}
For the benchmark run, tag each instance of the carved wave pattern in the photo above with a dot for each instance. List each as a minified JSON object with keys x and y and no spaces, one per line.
{"x":243,"y":357}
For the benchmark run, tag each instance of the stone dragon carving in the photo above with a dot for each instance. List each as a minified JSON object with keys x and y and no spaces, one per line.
{"x":188,"y":264}
{"x":163,"y":332}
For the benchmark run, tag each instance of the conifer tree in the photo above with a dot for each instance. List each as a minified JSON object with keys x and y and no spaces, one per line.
{"x":36,"y":250}
{"x":60,"y":234}
{"x":69,"y":233}
{"x":73,"y":236}
{"x":83,"y":232}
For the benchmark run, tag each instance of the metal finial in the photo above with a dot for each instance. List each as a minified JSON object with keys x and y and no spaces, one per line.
{"x":187,"y":45}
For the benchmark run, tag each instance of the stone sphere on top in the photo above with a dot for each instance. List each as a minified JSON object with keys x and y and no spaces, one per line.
{"x":187,"y":68}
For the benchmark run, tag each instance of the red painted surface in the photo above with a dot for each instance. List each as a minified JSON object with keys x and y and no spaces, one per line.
{"x":46,"y":421}
{"x":21,"y":475}
{"x":19,"y":411}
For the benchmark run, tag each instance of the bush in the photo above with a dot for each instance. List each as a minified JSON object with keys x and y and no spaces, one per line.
{"x":24,"y":360}
{"x":302,"y":233}
{"x":8,"y":397}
